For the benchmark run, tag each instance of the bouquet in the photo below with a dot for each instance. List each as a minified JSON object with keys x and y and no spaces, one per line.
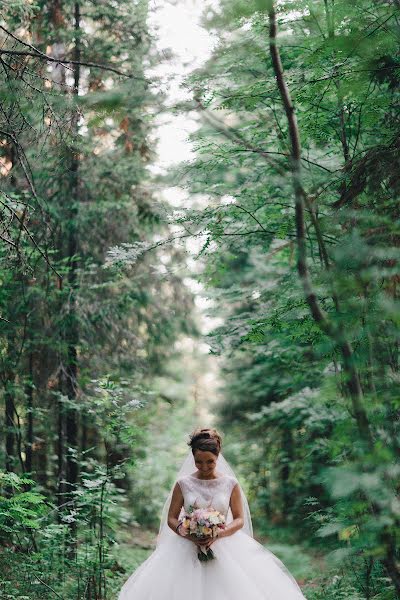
{"x":202,"y":524}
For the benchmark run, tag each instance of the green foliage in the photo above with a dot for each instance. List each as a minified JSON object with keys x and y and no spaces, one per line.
{"x":80,"y":344}
{"x":286,"y":386}
{"x":20,"y":507}
{"x":87,"y":339}
{"x":43,"y":547}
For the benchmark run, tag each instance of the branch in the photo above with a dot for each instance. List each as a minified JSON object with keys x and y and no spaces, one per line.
{"x":34,"y":242}
{"x":64,"y":62}
{"x":338,"y":73}
{"x":36,"y":53}
{"x":306,"y":160}
{"x":237,"y":138}
{"x":133,"y":251}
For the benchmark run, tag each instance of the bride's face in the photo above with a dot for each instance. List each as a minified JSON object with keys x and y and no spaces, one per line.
{"x":205,"y":461}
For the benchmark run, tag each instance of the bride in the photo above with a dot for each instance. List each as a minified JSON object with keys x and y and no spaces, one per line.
{"x":242,"y":568}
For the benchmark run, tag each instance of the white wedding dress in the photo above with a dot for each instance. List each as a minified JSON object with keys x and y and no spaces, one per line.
{"x":241,"y":570}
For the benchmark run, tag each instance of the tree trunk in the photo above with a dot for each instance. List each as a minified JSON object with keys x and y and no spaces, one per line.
{"x":318,"y":314}
{"x":321,"y":318}
{"x":9,"y":425}
{"x":72,"y":333}
{"x":29,"y":411}
{"x":287,"y":493}
{"x":391,"y":566}
{"x":68,"y":423}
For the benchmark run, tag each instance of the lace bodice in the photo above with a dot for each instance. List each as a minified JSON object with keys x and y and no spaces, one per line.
{"x":207,"y":492}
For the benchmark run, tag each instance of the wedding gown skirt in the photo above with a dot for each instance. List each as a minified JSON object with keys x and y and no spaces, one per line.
{"x":241,"y":570}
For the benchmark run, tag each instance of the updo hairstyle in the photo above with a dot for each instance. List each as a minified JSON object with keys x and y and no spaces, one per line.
{"x":208,"y":440}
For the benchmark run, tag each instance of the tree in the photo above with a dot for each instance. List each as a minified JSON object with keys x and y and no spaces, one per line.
{"x":288,"y":132}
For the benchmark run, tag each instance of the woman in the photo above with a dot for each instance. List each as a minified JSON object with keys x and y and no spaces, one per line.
{"x":242,"y":568}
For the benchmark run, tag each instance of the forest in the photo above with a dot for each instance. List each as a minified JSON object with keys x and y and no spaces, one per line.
{"x":253,"y":287}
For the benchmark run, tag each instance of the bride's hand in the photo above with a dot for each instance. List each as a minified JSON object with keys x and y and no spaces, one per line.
{"x":191,"y":538}
{"x":198,"y":541}
{"x":208,"y":542}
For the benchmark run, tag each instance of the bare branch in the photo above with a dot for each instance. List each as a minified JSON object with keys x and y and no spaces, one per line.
{"x":36,"y":53}
{"x":64,"y":62}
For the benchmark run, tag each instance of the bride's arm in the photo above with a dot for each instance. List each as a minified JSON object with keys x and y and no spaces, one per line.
{"x":175,"y":507}
{"x":174,"y":510}
{"x":236,"y":505}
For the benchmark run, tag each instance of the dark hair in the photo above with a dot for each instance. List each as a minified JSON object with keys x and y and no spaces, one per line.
{"x":208,"y":440}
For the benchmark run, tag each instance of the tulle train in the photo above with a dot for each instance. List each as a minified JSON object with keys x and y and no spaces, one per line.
{"x":242,"y":570}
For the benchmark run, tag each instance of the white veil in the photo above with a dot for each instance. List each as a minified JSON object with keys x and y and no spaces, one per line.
{"x":187,"y":468}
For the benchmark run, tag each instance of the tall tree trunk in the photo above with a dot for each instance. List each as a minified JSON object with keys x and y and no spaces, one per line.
{"x":61,"y":469}
{"x":68,"y":422}
{"x":29,"y":411}
{"x":287,"y":495}
{"x":318,"y":314}
{"x":72,"y":333}
{"x":391,"y":564}
{"x":9,"y":425}
{"x":321,"y":318}
{"x":58,"y":76}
